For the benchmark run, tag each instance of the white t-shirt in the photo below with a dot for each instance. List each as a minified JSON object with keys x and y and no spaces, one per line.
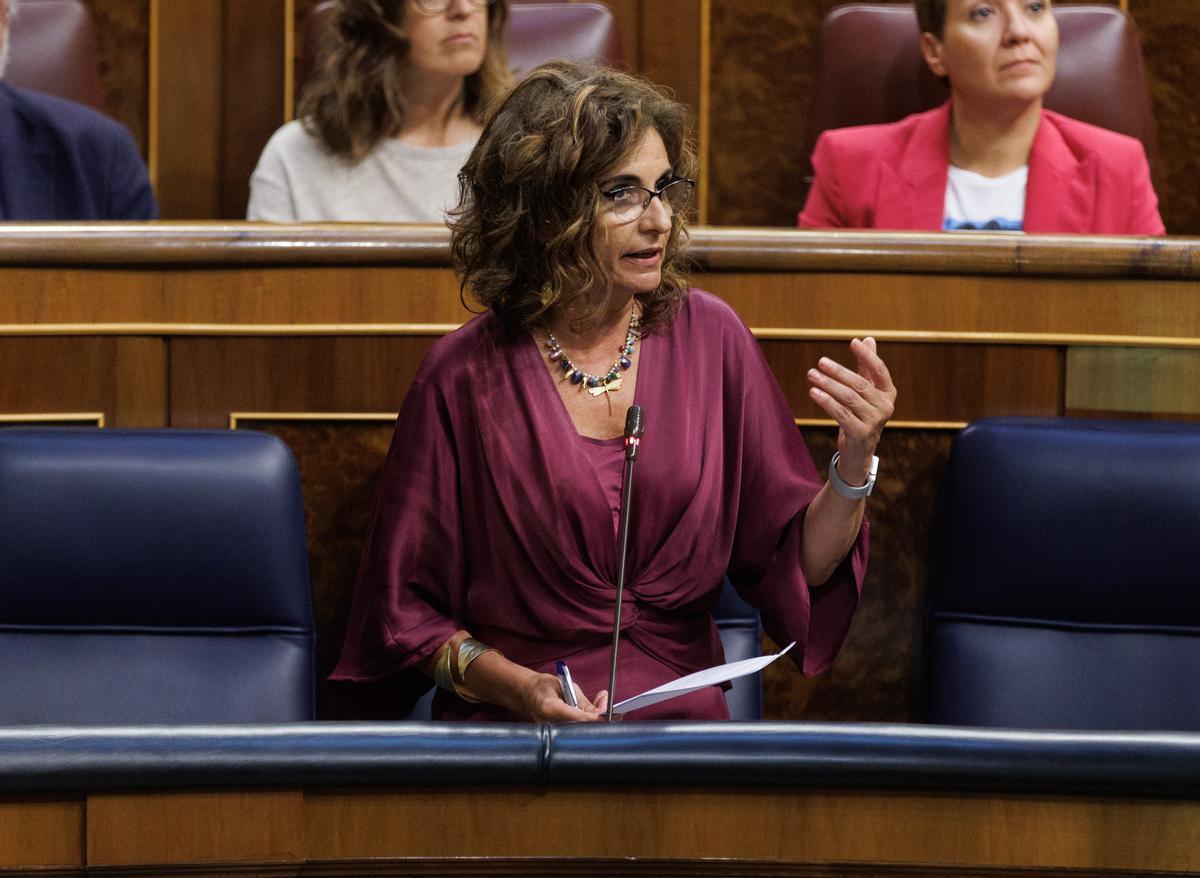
{"x":978,"y":203}
{"x":298,"y":180}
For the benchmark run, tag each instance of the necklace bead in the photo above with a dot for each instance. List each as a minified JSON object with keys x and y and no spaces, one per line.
{"x":610,"y":381}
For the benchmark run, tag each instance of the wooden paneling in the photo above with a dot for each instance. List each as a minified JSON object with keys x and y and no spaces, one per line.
{"x":1134,"y":382}
{"x":252,"y":83}
{"x":1171,"y":44}
{"x":122,"y":30}
{"x":194,"y":828}
{"x":185,"y":107}
{"x":889,"y":828}
{"x":213,"y":377}
{"x":596,"y":831}
{"x":41,"y":834}
{"x":124,"y":378}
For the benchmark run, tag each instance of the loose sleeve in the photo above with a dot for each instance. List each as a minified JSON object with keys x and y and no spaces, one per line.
{"x":778,"y":482}
{"x":410,"y":583}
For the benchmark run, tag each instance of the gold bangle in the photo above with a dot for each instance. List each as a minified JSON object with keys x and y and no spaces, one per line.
{"x":441,"y":670}
{"x":469,"y":650}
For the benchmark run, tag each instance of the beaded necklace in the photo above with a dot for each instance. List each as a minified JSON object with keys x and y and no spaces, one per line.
{"x":609,"y":382}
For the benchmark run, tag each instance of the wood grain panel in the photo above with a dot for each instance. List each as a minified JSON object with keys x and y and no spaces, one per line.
{"x":123,"y":43}
{"x":199,"y":827}
{"x":943,"y":382}
{"x":140,"y":382}
{"x":1134,"y":381}
{"x":123,"y":378}
{"x":252,"y":51}
{"x":628,"y":16}
{"x":41,"y":834}
{"x":1171,"y":44}
{"x":185,"y":118}
{"x":889,"y":828}
{"x":914,"y":307}
{"x":212,"y":377}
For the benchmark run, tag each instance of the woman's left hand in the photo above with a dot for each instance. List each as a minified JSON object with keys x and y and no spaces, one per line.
{"x":860,"y":401}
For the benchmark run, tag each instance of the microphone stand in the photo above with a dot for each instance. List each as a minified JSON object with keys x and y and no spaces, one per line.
{"x":634,"y":426}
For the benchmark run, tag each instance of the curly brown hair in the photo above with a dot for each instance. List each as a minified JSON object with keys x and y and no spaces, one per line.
{"x":931,"y":16}
{"x":356,"y":98}
{"x":523,"y":238}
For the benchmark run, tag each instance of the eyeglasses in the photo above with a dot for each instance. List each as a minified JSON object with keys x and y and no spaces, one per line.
{"x":628,"y":203}
{"x":437,"y":7}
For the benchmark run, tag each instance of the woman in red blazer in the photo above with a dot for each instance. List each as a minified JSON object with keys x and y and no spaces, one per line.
{"x":992,"y":157}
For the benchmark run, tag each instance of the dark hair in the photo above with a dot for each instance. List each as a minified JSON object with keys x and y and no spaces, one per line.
{"x":356,"y":97}
{"x":523,"y":237}
{"x":931,"y":16}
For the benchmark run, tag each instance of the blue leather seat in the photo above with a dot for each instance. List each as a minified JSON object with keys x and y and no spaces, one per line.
{"x":741,"y":636}
{"x":1065,"y":585}
{"x":156,"y":576}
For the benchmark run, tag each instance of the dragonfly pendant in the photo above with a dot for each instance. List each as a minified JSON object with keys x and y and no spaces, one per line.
{"x":611,"y":387}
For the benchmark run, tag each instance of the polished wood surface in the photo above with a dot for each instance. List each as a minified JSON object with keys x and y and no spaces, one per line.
{"x":631,"y":832}
{"x":42,"y":834}
{"x":314,"y":333}
{"x":196,"y":827}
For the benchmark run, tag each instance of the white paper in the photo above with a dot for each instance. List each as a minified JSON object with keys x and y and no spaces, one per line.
{"x":698,"y":680}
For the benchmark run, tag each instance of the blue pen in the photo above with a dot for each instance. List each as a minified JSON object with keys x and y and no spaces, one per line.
{"x":568,"y":688}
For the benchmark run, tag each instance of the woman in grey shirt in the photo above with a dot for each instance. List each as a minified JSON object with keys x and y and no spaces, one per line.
{"x":390,"y":116}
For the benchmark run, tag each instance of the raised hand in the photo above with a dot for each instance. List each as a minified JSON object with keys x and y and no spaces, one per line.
{"x":859,"y":401}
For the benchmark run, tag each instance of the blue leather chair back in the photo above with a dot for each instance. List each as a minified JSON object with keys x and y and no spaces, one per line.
{"x":155,"y":576}
{"x":1065,"y":587}
{"x":741,"y":636}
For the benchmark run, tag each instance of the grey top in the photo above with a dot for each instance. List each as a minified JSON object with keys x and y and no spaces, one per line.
{"x":298,"y":180}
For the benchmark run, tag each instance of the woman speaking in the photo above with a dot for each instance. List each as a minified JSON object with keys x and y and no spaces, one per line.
{"x":493,"y":548}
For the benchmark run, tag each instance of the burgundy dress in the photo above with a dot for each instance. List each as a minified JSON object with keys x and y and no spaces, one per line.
{"x":495,"y":515}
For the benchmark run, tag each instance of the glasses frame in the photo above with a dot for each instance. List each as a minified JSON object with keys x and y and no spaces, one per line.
{"x":651,"y":194}
{"x":438,"y":7}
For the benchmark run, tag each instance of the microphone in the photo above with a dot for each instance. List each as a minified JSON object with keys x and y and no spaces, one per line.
{"x":634,"y":427}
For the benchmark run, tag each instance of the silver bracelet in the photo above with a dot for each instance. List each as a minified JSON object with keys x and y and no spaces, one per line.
{"x":848,"y":491}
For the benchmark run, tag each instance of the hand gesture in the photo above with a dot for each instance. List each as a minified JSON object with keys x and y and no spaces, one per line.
{"x":860,"y":401}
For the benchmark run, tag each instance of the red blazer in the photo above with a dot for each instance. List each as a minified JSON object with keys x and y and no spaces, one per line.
{"x":1082,"y":179}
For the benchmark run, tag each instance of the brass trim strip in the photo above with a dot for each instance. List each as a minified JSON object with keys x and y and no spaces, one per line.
{"x":227,"y":328}
{"x":959,"y":337}
{"x":891,"y":425}
{"x":768,"y":333}
{"x":382,"y":417}
{"x":705,"y":105}
{"x":289,"y":60}
{"x":152,"y":92}
{"x":96,"y":418}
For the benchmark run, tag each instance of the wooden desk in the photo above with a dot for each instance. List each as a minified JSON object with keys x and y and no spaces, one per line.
{"x":539,"y":832}
{"x":418,"y":799}
{"x":313,"y":332}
